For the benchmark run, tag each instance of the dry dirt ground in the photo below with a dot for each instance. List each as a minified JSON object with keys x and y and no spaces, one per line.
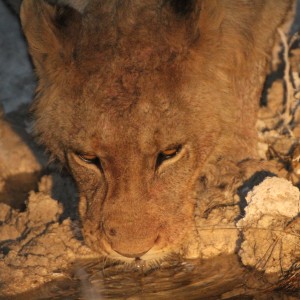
{"x":39,"y":228}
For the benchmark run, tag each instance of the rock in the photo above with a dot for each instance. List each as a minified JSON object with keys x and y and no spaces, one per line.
{"x":268,"y":244}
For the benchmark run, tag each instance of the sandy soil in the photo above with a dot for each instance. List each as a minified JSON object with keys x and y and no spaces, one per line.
{"x":39,"y":228}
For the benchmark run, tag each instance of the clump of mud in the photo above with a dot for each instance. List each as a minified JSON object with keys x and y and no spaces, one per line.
{"x":19,"y":165}
{"x":36,"y":244}
{"x":270,"y":228}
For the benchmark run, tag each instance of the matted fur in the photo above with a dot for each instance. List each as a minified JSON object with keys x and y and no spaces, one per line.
{"x":125,"y":80}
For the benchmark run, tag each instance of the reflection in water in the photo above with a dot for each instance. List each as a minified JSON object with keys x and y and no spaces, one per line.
{"x":220,"y":278}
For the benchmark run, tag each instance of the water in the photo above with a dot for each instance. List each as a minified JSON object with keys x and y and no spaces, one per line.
{"x":220,"y":278}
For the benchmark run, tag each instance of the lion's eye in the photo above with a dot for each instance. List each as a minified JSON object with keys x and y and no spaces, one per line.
{"x":90,"y":159}
{"x":167,"y":154}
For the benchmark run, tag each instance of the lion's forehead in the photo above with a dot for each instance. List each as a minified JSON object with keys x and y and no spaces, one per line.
{"x":121,"y":103}
{"x":143,"y":131}
{"x":144,"y":127}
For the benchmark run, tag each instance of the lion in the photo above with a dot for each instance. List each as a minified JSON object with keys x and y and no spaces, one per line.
{"x":143,"y":101}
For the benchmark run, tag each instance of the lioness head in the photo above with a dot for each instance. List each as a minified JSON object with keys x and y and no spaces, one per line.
{"x":136,"y":97}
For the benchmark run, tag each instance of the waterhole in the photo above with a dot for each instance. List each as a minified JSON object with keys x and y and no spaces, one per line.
{"x":220,"y":278}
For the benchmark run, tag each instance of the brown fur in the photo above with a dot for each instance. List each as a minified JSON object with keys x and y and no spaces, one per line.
{"x":125,"y":80}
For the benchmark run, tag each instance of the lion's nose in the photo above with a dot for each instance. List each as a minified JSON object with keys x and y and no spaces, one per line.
{"x":130,"y":240}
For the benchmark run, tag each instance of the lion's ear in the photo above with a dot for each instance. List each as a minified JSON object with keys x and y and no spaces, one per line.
{"x":51,"y":32}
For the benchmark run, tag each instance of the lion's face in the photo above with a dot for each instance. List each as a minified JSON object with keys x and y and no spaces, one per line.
{"x":133,"y":175}
{"x":136,"y":165}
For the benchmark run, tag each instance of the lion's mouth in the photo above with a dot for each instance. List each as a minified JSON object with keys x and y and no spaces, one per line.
{"x":144,"y":260}
{"x":145,"y":265}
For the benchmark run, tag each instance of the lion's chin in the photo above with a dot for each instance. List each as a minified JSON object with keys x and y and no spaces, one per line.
{"x":150,"y":262}
{"x":145,"y":259}
{"x":152,"y":259}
